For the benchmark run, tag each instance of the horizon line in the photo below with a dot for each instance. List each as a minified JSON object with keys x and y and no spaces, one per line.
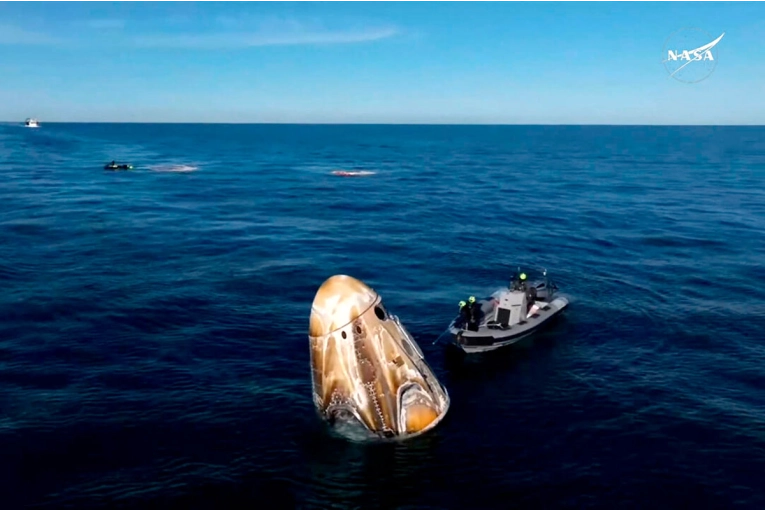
{"x":382,"y":123}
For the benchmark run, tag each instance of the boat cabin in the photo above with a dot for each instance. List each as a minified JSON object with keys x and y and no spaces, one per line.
{"x":511,"y":309}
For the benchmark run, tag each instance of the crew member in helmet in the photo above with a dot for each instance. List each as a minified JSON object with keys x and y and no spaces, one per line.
{"x":464,"y":313}
{"x":475,"y":311}
{"x":519,"y":283}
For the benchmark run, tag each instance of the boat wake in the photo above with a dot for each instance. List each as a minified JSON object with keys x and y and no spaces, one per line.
{"x":173,"y":168}
{"x":352,"y":173}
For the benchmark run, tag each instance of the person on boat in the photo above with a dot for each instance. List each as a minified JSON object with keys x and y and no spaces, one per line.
{"x":531,"y":297}
{"x":464,"y":312}
{"x":113,"y":163}
{"x":519,"y":283}
{"x":474,"y":312}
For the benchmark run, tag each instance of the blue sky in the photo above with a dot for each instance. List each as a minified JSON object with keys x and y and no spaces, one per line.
{"x":510,"y":63}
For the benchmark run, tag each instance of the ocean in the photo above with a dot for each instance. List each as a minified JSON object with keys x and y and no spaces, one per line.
{"x":153,"y":332}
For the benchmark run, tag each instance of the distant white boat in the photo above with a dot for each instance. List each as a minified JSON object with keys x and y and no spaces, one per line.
{"x":31,"y":123}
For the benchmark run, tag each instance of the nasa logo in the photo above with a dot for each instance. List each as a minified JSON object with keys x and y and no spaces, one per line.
{"x":690,"y":55}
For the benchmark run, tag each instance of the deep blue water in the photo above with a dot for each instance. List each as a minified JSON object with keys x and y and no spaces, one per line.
{"x":153,"y":334}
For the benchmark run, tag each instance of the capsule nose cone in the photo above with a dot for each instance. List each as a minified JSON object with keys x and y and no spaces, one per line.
{"x":340,"y":300}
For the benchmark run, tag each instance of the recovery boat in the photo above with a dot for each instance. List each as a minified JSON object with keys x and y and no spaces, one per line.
{"x":507,"y":316}
{"x":115,"y":166}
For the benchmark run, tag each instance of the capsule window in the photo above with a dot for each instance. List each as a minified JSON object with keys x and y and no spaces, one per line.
{"x":380,"y":313}
{"x":343,"y":334}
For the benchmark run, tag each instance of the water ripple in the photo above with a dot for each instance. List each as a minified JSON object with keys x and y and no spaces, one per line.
{"x":153,"y":344}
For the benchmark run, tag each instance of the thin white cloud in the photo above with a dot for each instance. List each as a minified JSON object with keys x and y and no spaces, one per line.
{"x":232,"y":33}
{"x":247,"y":40}
{"x":16,"y":36}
